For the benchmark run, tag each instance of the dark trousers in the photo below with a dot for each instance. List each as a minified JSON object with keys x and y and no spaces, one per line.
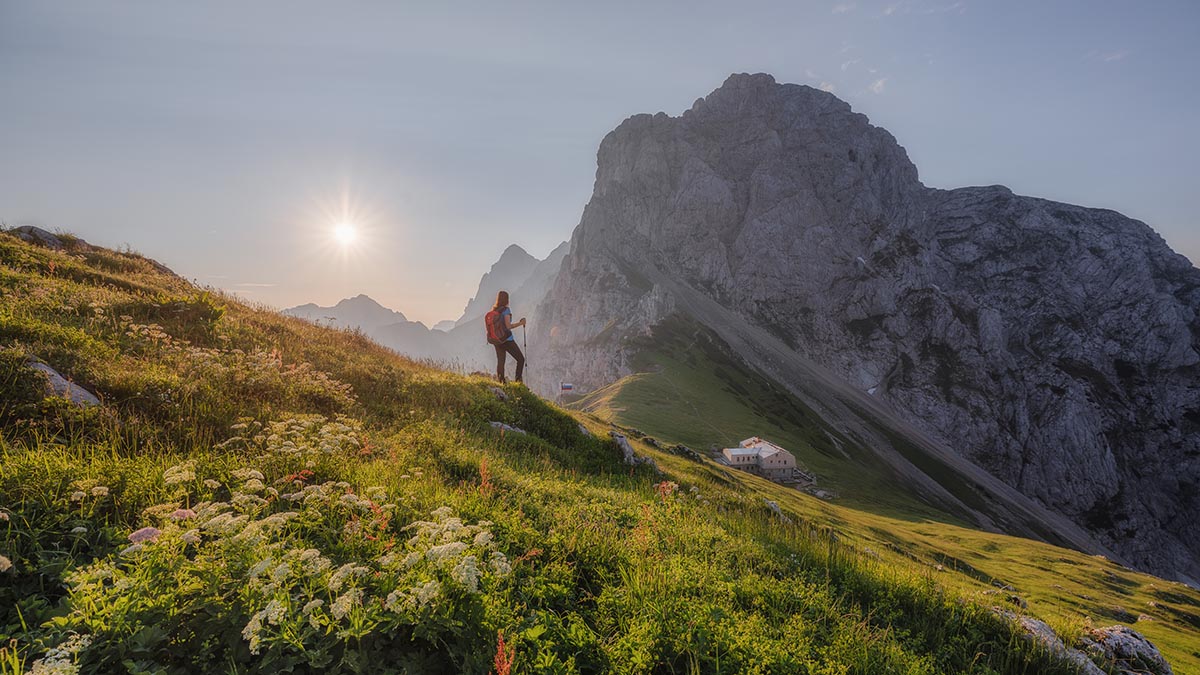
{"x":502,"y":351}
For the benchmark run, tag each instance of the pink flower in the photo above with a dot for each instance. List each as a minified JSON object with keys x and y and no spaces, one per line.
{"x":182,"y":514}
{"x":145,"y":534}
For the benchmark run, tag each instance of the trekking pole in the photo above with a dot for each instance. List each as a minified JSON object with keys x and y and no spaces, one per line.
{"x":524,"y":346}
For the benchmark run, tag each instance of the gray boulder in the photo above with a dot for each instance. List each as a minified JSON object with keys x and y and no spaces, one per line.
{"x":628,"y":455}
{"x":1126,"y":649}
{"x":57,"y":385}
{"x":1041,"y":633}
{"x":503,"y":428}
{"x":36,"y":235}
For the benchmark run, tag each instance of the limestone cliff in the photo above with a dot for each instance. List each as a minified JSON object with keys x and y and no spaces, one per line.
{"x":1053,"y":345}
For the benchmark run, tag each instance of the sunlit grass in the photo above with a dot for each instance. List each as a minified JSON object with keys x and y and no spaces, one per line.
{"x":292,"y":438}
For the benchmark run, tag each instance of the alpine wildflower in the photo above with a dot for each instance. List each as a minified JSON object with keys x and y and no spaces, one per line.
{"x":252,"y":630}
{"x":275,"y":611}
{"x":341,"y":574}
{"x":428,"y":592}
{"x":314,"y":563}
{"x":260,"y":567}
{"x":281,"y":572}
{"x":248,"y":474}
{"x":309,"y":611}
{"x":466,"y":572}
{"x":145,"y":534}
{"x":181,"y":473}
{"x":442,"y":553}
{"x":499,"y":563}
{"x":60,"y":660}
{"x":344,"y":603}
{"x":132,"y":548}
{"x":397,"y":600}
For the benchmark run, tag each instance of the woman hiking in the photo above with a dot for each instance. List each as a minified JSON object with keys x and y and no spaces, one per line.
{"x":499,"y":334}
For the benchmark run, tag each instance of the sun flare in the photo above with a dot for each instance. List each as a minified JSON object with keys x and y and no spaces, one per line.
{"x":345,"y":233}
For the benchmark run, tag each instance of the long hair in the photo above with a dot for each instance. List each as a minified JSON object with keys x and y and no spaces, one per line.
{"x":501,"y":300}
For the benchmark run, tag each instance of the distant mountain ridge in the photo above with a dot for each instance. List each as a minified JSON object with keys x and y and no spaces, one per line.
{"x":1054,"y":346}
{"x":358,"y":312}
{"x":510,"y":271}
{"x":458,"y":343}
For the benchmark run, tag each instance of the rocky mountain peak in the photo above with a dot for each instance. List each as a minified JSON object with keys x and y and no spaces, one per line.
{"x":512,"y":269}
{"x":749,"y":144}
{"x":513,"y":253}
{"x":360,"y":300}
{"x":360,"y":311}
{"x":1055,"y":346}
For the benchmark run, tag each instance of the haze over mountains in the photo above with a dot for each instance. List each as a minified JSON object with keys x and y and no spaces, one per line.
{"x":1048,"y":353}
{"x":358,"y":312}
{"x":513,"y":267}
{"x":455,"y":343}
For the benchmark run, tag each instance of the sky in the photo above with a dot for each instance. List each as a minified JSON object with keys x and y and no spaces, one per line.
{"x":228,"y":140}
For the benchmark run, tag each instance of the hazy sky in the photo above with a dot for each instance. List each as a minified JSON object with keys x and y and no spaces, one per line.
{"x":225,"y":140}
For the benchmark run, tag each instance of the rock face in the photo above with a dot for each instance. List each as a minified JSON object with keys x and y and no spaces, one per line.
{"x":1055,"y":346}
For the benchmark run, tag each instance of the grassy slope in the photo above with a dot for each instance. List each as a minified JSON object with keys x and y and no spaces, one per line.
{"x":611,"y":570}
{"x":689,"y":392}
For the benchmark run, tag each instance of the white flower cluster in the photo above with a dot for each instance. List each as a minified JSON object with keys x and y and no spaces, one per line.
{"x":181,"y":473}
{"x":88,"y":488}
{"x":258,"y":546}
{"x":153,"y":333}
{"x":299,"y":436}
{"x":440,"y":554}
{"x":465,"y":552}
{"x":60,"y":660}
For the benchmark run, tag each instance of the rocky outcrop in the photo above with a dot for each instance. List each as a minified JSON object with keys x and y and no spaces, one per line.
{"x":1126,"y":649}
{"x":57,"y":385}
{"x":1056,"y":346}
{"x":38,"y":236}
{"x":629,"y":455}
{"x":1120,"y":649}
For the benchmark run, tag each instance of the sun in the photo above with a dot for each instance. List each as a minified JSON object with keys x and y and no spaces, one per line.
{"x":345,"y":233}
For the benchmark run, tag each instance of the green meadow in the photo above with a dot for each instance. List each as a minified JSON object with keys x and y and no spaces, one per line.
{"x":257,"y":494}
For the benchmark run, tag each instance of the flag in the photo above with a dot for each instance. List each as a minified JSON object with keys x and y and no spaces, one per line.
{"x":565,"y":386}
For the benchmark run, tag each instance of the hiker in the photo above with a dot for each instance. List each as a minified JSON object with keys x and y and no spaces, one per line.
{"x":499,"y":335}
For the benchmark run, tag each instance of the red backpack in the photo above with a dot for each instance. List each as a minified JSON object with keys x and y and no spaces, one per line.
{"x":497,"y":332}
